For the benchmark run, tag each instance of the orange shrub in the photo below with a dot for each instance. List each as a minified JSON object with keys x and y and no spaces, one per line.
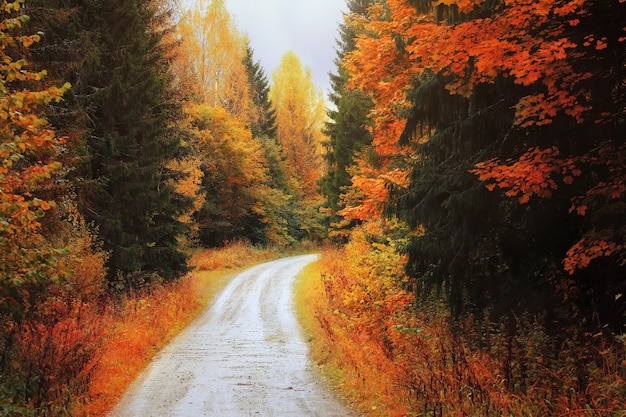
{"x":401,"y":356}
{"x":49,"y":354}
{"x":141,"y":324}
{"x":362,"y":300}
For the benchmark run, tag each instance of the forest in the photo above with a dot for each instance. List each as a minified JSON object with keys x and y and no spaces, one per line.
{"x":465,"y":184}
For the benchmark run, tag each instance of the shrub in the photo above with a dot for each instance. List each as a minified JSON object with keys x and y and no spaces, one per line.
{"x":401,"y":355}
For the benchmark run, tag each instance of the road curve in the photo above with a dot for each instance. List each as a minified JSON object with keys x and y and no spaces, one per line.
{"x":244,"y":356}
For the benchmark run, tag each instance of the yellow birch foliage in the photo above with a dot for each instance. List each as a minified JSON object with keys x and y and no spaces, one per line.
{"x":234,"y":182}
{"x":210,"y":63}
{"x":300,"y":116}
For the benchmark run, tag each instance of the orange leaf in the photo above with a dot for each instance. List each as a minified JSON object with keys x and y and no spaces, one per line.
{"x":601,"y":45}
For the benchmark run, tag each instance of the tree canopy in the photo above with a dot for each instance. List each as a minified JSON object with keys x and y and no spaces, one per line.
{"x":509,"y":109}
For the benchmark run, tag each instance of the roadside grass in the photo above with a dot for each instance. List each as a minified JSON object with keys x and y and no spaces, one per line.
{"x":234,"y":255}
{"x":307,"y":288}
{"x":309,"y":296}
{"x":144,"y":322}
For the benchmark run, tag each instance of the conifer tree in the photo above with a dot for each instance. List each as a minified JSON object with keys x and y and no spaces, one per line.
{"x":265,"y":123}
{"x":131,"y":144}
{"x":347,"y":129}
{"x":119,"y":73}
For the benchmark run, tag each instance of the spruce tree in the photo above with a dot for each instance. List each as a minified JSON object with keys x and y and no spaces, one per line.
{"x":280,"y":205}
{"x":264,"y":127}
{"x":119,"y":77}
{"x":265,"y":124}
{"x":347,"y":129}
{"x":131,"y":144}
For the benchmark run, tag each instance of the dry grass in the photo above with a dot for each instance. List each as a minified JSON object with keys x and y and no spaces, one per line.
{"x":234,"y":255}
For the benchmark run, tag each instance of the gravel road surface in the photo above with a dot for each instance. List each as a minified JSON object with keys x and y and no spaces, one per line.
{"x":244,"y":356}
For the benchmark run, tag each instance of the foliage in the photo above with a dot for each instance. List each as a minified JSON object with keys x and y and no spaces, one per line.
{"x":49,"y":326}
{"x":28,"y":153}
{"x":299,"y":116}
{"x":501,"y":125}
{"x":347,"y":129}
{"x":238,"y":173}
{"x":522,"y":96}
{"x":234,"y":174}
{"x":211,"y":60}
{"x":407,"y":356}
{"x":48,"y":355}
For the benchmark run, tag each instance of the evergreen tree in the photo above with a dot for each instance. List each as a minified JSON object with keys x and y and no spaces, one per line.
{"x":265,"y":125}
{"x":347,"y":129}
{"x":131,"y":143}
{"x":280,"y":205}
{"x":484,"y":249}
{"x":462,"y":251}
{"x":119,"y":77}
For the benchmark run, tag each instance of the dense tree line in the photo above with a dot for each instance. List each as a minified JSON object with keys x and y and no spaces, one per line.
{"x":494,"y":174}
{"x":498,"y":132}
{"x":170,"y":135}
{"x":135,"y":72}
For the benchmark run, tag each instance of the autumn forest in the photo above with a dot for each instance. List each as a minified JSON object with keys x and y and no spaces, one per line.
{"x":464,"y":182}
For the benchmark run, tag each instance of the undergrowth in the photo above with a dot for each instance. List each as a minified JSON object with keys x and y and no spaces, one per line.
{"x":81,"y":347}
{"x":402,"y":356}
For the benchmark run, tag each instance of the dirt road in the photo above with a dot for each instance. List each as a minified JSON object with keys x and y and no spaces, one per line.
{"x":244,"y":356}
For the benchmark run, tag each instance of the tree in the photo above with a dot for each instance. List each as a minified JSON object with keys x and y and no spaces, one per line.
{"x":347,"y":130}
{"x":233,"y":180}
{"x":29,"y":152}
{"x":299,"y":117}
{"x":524,"y":96}
{"x":211,"y":59}
{"x":264,"y":124}
{"x":131,"y":142}
{"x":117,"y":120}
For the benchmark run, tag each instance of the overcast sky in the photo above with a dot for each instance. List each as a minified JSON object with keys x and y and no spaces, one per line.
{"x":307,"y":27}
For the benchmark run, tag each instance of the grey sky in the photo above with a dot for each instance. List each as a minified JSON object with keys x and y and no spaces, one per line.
{"x":307,"y":27}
